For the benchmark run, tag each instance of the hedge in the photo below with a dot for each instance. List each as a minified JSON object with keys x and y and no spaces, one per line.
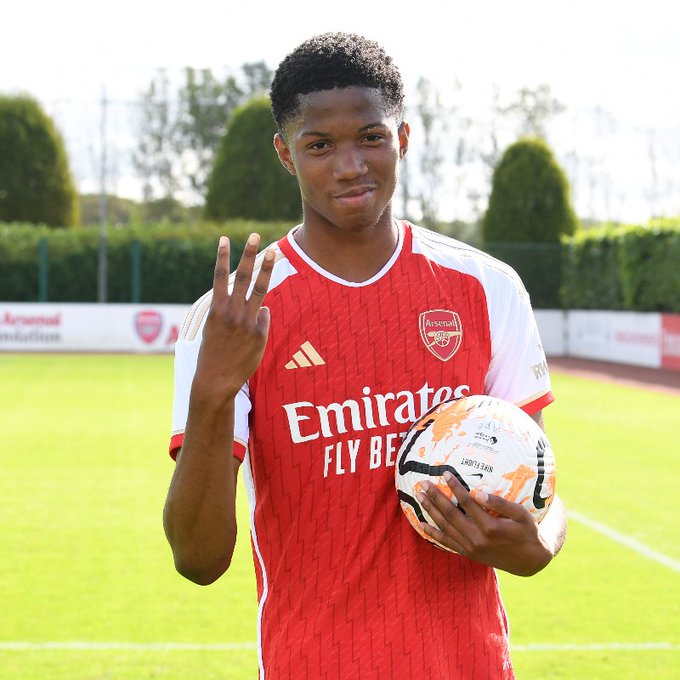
{"x":176,"y":262}
{"x":626,"y":267}
{"x":620,"y":268}
{"x":539,"y":267}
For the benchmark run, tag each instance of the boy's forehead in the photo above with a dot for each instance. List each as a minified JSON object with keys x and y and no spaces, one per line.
{"x":354,"y":101}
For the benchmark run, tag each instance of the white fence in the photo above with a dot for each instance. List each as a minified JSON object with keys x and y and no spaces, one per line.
{"x":626,"y":337}
{"x":640,"y":339}
{"x":54,"y":327}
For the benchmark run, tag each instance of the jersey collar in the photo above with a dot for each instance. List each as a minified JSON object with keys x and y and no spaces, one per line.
{"x":302,"y":261}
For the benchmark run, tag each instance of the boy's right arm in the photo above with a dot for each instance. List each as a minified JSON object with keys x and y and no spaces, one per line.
{"x":200,"y":510}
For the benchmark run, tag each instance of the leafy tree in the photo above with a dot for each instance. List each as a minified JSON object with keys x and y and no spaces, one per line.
{"x":529,"y":199}
{"x":432,"y":118}
{"x":35,"y":180}
{"x":461,"y":125}
{"x":527,"y":115}
{"x":119,"y":210}
{"x":248,"y":181}
{"x":204,"y":105}
{"x":534,"y":108}
{"x":258,"y":77}
{"x":490,"y":149}
{"x":180,"y":131}
{"x":153,"y":159}
{"x":168,"y":210}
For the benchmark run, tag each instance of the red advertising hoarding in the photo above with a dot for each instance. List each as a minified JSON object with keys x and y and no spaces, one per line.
{"x":670,"y":341}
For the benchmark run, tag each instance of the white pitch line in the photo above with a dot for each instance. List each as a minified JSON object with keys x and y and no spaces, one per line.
{"x":80,"y":645}
{"x":239,"y":646}
{"x":614,"y":646}
{"x":634,"y":545}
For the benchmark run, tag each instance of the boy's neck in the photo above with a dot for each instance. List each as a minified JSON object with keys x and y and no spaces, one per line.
{"x":352,"y":255}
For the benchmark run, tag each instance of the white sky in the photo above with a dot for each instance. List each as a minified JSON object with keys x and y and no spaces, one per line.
{"x":621,"y":56}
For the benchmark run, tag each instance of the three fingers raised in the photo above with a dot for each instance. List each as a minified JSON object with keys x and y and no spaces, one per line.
{"x":243,"y":276}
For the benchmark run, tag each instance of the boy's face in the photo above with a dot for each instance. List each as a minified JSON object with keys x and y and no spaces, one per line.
{"x":345,"y":150}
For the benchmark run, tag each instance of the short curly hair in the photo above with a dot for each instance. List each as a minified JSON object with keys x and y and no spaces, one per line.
{"x":334,"y":60}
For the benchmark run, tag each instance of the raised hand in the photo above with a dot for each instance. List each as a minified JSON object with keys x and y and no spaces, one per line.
{"x":236,"y":329}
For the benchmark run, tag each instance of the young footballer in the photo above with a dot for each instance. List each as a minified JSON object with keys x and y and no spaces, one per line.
{"x":303,"y":371}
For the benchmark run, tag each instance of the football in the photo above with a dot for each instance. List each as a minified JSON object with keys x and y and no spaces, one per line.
{"x":488,"y":444}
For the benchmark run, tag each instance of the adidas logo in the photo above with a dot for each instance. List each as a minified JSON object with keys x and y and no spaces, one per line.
{"x":306,"y":356}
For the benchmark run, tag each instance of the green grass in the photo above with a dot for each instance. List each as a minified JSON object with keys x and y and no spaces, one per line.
{"x":82,"y":552}
{"x":83,"y":557}
{"x":618,"y":458}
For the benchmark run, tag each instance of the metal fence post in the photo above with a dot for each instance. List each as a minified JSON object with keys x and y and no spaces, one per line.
{"x":136,"y":271}
{"x":43,"y":269}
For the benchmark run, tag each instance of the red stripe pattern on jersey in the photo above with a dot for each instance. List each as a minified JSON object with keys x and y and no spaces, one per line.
{"x":347,"y":588}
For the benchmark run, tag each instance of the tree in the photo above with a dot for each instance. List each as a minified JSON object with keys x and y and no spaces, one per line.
{"x":432,"y":118}
{"x":204,"y":107}
{"x":258,"y":77}
{"x":247,"y":180}
{"x":533,"y":109}
{"x":119,"y":210}
{"x":180,"y":132}
{"x":35,"y":179}
{"x":529,"y":210}
{"x":527,"y":115}
{"x":529,"y":199}
{"x":153,"y":158}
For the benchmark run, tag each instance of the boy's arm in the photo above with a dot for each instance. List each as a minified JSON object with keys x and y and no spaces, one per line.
{"x":200,"y":511}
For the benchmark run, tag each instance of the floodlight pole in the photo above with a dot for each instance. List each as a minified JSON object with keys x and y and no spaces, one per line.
{"x":101,"y":268}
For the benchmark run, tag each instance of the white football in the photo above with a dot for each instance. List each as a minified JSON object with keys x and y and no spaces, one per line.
{"x":488,"y":444}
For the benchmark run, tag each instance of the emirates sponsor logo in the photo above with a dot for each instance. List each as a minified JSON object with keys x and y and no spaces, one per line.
{"x":442,"y":332}
{"x":148,"y":325}
{"x":308,"y":421}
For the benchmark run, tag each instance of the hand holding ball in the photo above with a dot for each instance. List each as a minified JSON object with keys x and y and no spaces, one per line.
{"x":488,"y":444}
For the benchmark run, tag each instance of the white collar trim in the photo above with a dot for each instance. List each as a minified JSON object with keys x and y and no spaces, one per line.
{"x":337,"y":279}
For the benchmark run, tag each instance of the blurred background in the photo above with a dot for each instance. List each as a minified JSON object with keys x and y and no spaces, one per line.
{"x":594,"y":78}
{"x":133,"y":134}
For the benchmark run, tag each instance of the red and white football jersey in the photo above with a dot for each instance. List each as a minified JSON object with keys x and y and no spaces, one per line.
{"x":346,"y":587}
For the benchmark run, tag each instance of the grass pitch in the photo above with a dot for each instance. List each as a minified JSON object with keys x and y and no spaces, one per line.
{"x":87,"y":588}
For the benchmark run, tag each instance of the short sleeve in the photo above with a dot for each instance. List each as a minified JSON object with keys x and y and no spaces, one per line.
{"x":518,"y":371}
{"x":186,"y":356}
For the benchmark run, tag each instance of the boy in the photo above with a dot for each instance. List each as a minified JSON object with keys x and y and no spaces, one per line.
{"x":306,"y":370}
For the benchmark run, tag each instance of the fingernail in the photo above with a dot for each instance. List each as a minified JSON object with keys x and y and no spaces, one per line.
{"x":223,"y":241}
{"x":448,"y":476}
{"x":420,"y":497}
{"x":480,"y":496}
{"x":269,"y":255}
{"x":425,"y":486}
{"x":253,"y":240}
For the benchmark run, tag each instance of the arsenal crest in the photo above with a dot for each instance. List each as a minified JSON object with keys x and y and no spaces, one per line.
{"x":442,"y":332}
{"x":148,"y":325}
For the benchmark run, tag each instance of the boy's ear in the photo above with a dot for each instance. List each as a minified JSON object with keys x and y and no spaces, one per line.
{"x":404,"y":131}
{"x":283,"y":153}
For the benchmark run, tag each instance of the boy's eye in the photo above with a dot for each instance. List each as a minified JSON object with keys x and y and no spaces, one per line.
{"x":373,"y":137}
{"x":319,"y":146}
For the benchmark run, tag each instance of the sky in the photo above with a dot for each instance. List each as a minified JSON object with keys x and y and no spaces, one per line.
{"x":616,"y":57}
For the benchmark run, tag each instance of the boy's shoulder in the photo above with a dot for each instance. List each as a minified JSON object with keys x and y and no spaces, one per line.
{"x":449,"y":252}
